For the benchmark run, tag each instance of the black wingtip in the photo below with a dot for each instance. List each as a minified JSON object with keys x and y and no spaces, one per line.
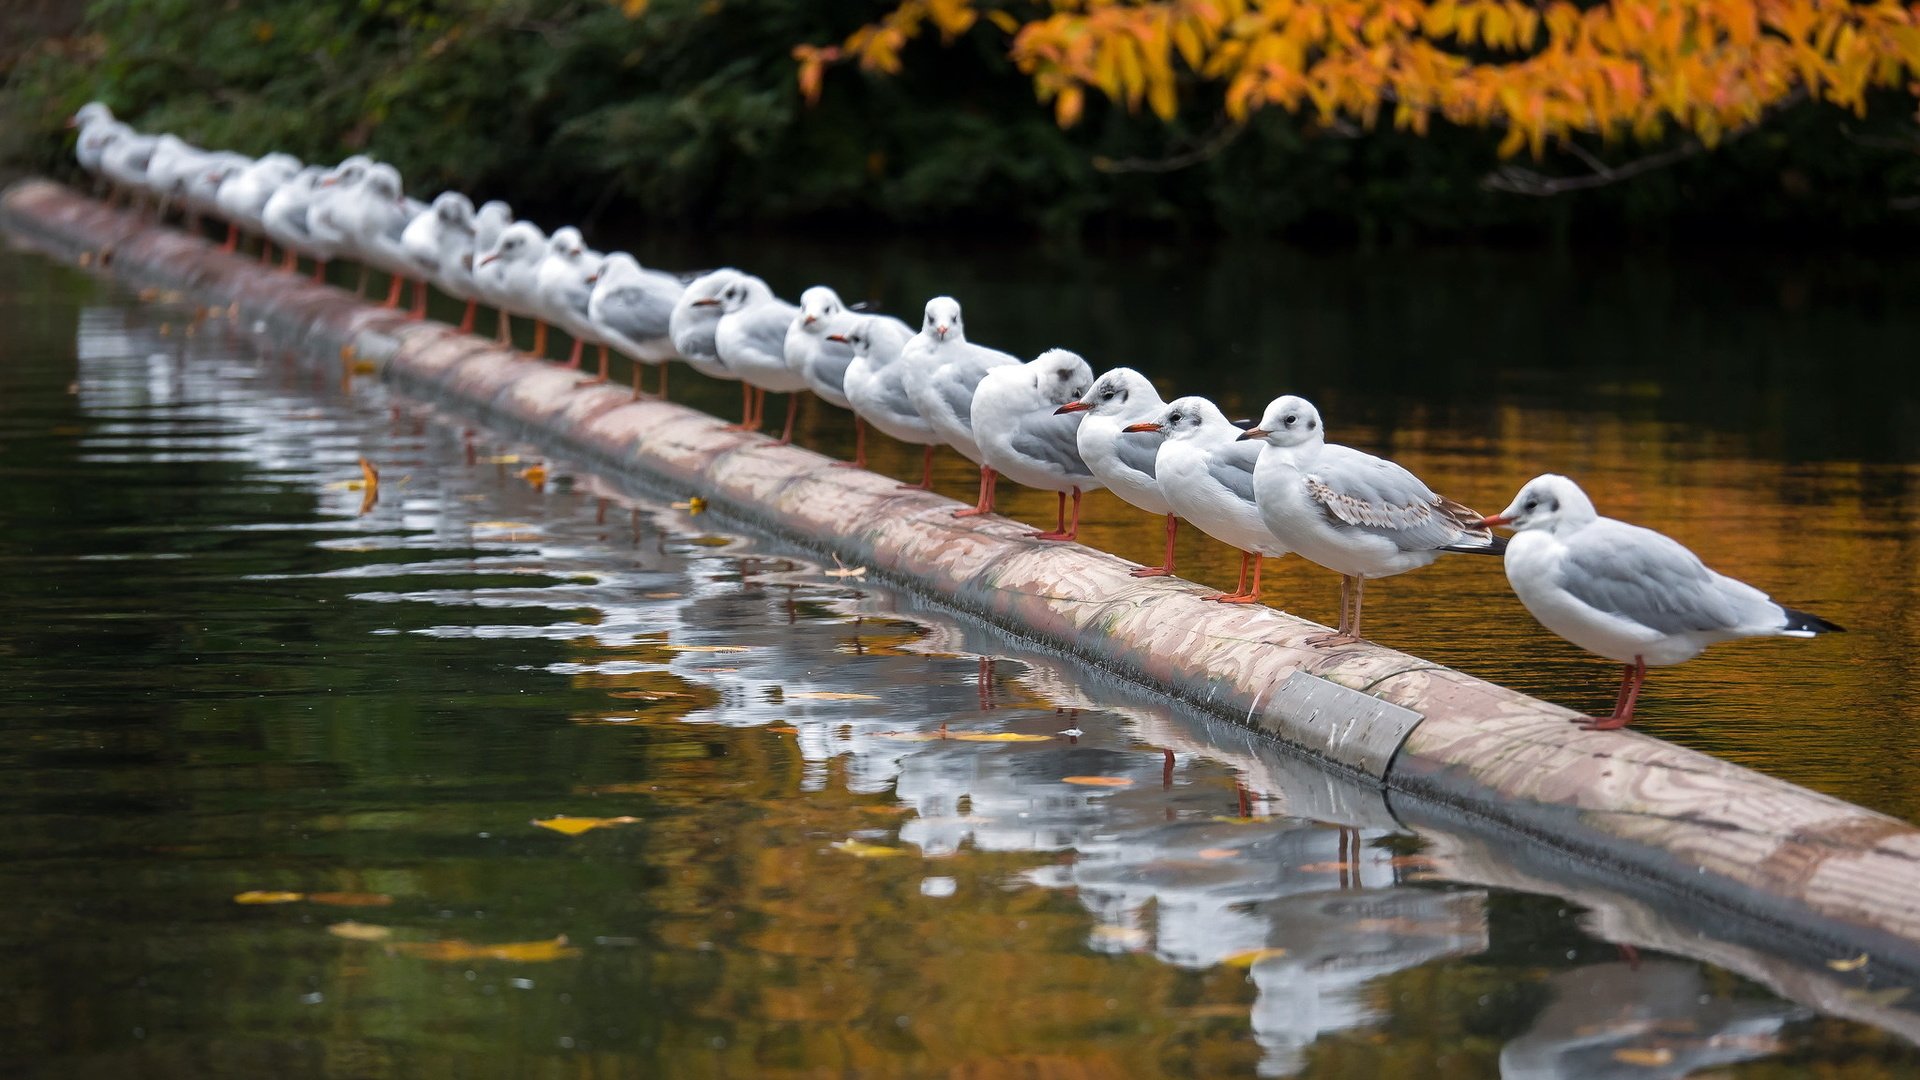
{"x":1495,"y":545}
{"x":1809,"y":623}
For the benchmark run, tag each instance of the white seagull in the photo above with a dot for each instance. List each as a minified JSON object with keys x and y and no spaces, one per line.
{"x":1025,"y":437}
{"x":876,"y":385}
{"x":243,"y":196}
{"x":504,"y":273}
{"x":632,"y":308}
{"x":822,"y":360}
{"x":943,"y":371}
{"x":440,"y":245}
{"x":1355,"y":514}
{"x":1626,"y":593}
{"x":1206,"y":474}
{"x":563,"y":286}
{"x":1125,"y":463}
{"x":284,"y":218}
{"x":695,"y":322}
{"x":752,"y":341}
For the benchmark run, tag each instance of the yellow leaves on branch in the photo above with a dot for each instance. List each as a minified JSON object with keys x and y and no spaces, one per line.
{"x":1539,"y":71}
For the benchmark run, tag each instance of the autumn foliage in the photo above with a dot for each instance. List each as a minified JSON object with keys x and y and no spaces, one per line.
{"x":1540,"y":72}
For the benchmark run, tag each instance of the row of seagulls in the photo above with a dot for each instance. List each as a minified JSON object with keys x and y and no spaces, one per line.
{"x":1277,"y":488}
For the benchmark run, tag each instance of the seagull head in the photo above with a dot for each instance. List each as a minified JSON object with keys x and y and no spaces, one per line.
{"x":516,"y":242}
{"x":853,"y":330}
{"x":943,"y":320}
{"x":818,"y":306}
{"x":1115,"y":393}
{"x":1549,"y":501}
{"x":1288,"y":421}
{"x":453,"y":208}
{"x":1060,"y":376}
{"x":91,"y":112}
{"x":1183,"y":418}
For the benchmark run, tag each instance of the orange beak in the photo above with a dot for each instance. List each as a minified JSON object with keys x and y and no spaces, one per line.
{"x":1252,"y":433}
{"x":1495,"y":519}
{"x":709,"y":302}
{"x":489,"y":258}
{"x":1072,"y":406}
{"x":1148,"y":426}
{"x":841,"y":338}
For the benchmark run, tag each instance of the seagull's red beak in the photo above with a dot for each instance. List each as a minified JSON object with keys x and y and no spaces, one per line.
{"x":841,"y":338}
{"x":809,"y":320}
{"x":1252,"y":433}
{"x":1148,"y":426}
{"x":708,"y":302}
{"x":940,"y":331}
{"x":72,"y":122}
{"x":1495,"y":519}
{"x":1072,"y":406}
{"x":593,"y":277}
{"x":485,"y":259}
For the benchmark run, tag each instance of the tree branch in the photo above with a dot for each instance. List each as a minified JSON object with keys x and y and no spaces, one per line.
{"x":1211,"y":146}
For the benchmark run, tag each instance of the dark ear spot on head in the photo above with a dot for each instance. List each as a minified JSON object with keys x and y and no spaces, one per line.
{"x":1553,"y":506}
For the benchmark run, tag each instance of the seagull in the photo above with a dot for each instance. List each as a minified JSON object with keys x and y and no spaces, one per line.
{"x":696,"y":320}
{"x":284,"y":217}
{"x":943,"y":371}
{"x":752,"y":341}
{"x":1355,"y":514}
{"x":124,"y":155}
{"x":93,"y":121}
{"x":504,"y":273}
{"x":439,"y":243}
{"x":820,"y":359}
{"x":1626,"y":593}
{"x":876,"y":385}
{"x":1025,"y":437}
{"x":327,"y":235}
{"x":1206,"y":475}
{"x":1125,"y":463}
{"x":632,"y":309}
{"x":242,"y":198}
{"x":563,"y":288}
{"x":374,"y":213}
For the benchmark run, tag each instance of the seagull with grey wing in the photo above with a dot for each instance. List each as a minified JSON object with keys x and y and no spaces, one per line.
{"x":876,"y":385}
{"x":1358,"y":515}
{"x":632,"y":308}
{"x":1629,"y":594}
{"x":943,"y":370}
{"x":1206,"y":473}
{"x":1125,"y":463}
{"x":1026,"y":438}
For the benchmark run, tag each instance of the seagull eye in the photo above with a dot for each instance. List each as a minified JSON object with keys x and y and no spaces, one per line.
{"x":1531,"y":504}
{"x":1290,"y":418}
{"x":1174,"y":419}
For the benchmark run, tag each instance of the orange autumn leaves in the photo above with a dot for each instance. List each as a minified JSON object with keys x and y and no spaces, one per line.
{"x":1540,"y":72}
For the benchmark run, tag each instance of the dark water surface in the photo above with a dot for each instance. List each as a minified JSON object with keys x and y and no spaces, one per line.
{"x":833,"y":846}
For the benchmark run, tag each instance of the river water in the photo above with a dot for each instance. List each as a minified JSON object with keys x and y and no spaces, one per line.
{"x":275,"y":753}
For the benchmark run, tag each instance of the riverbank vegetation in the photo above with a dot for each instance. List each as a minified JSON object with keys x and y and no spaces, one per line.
{"x":1341,"y":120}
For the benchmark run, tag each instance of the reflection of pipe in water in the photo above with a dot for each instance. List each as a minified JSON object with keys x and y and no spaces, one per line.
{"x":1338,"y":942}
{"x":1651,"y":1023}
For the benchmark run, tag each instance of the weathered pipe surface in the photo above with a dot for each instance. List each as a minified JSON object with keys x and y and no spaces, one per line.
{"x":1663,"y":818}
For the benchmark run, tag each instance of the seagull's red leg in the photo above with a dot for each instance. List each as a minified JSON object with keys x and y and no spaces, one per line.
{"x":503,"y":328}
{"x":1165,"y":569}
{"x":793,"y":410}
{"x":1066,"y":530}
{"x":926,"y":471}
{"x":320,"y":271}
{"x":859,"y":446}
{"x":1243,"y":594}
{"x":540,"y":338}
{"x":1349,"y":631}
{"x":1630,"y":684}
{"x":466,"y":317}
{"x":983,"y":505}
{"x":419,"y":300}
{"x":602,"y":376}
{"x":574,"y":356}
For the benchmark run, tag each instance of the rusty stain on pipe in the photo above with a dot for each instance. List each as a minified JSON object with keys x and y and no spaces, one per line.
{"x":1649,"y":813}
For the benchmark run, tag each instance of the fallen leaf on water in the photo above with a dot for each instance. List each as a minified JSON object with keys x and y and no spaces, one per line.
{"x":1098,"y":781}
{"x":501,"y":459}
{"x":502,"y":525}
{"x":574,"y":826}
{"x":1854,"y":964}
{"x":692,"y":506}
{"x":1219,"y":853}
{"x":842,"y":570}
{"x":716,"y":670}
{"x":267,"y":896}
{"x":645,"y":695}
{"x":660,"y":596}
{"x":1238,"y":820}
{"x":705,"y":648}
{"x":999,"y":736}
{"x":454,"y":951}
{"x":1251,"y":957}
{"x":830,"y":695}
{"x":359,"y":931}
{"x":868,"y":851}
{"x":370,"y":478}
{"x":1652,"y":1059}
{"x":534,"y":475}
{"x":785,"y":730}
{"x":350,"y":899}
{"x":364,"y":367}
{"x":1131,"y":937}
{"x":1325,"y":867}
{"x":85,"y":259}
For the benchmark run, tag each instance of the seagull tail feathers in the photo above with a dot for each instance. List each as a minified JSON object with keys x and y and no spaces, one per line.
{"x":1479,"y":545}
{"x":1804,"y":624}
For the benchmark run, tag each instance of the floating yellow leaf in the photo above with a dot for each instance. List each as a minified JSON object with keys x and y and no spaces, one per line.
{"x":784,"y":730}
{"x":1219,"y":853}
{"x":1325,"y":867}
{"x":645,"y":695}
{"x":1651,"y":1058}
{"x":534,"y":475}
{"x":498,"y":526}
{"x":574,"y":826}
{"x":660,"y":596}
{"x":705,"y":648}
{"x":1098,"y":781}
{"x":370,"y":481}
{"x":830,"y":695}
{"x":1884,"y":997}
{"x":359,"y":931}
{"x":1129,"y":937}
{"x":842,"y":570}
{"x":999,"y":736}
{"x":1854,"y":964}
{"x":1238,"y":820}
{"x":350,"y":899}
{"x":267,"y":896}
{"x":457,"y":951}
{"x":868,"y":851}
{"x":1251,"y":957}
{"x":501,"y":459}
{"x":692,"y":506}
